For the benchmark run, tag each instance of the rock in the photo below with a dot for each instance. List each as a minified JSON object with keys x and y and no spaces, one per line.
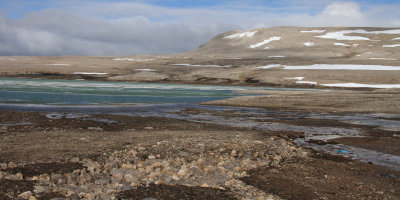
{"x":205,"y":185}
{"x":19,"y":176}
{"x":12,"y":165}
{"x":175,"y":178}
{"x":25,"y":195}
{"x":182,"y":173}
{"x":95,"y":128}
{"x":142,"y":148}
{"x":151,"y":157}
{"x":32,"y":198}
{"x":183,"y":154}
{"x":70,"y":193}
{"x":117,"y":173}
{"x":41,"y":189}
{"x":148,"y":128}
{"x":44,"y":177}
{"x":129,"y":178}
{"x":75,"y":160}
{"x":3,"y":165}
{"x":127,"y":166}
{"x":233,"y":153}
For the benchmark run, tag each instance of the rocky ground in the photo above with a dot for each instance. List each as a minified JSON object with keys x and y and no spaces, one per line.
{"x":173,"y":159}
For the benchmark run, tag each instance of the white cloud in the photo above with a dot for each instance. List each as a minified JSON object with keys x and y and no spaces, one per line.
{"x":344,"y":9}
{"x":92,"y":28}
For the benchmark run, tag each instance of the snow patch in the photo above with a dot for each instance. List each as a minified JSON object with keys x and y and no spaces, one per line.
{"x":240,"y":35}
{"x":394,"y":45}
{"x":340,"y":35}
{"x":396,"y":38}
{"x":133,"y":59}
{"x":265,"y":42}
{"x":359,"y":85}
{"x":296,"y":78}
{"x":313,"y":31}
{"x":190,"y":65}
{"x":145,"y":70}
{"x":90,"y":73}
{"x":59,"y":64}
{"x":269,"y":66}
{"x":343,"y":67}
{"x":309,"y":44}
{"x":307,"y":82}
{"x":382,"y":59}
{"x":342,"y":44}
{"x":276,"y":56}
{"x":333,"y":67}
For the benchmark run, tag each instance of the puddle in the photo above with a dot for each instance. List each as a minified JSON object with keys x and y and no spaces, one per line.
{"x":252,"y":118}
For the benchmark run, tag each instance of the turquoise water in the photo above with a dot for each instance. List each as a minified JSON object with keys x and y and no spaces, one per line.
{"x":37,"y":91}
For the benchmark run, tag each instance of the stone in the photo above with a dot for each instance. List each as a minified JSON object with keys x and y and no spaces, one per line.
{"x":75,"y":160}
{"x":175,"y":178}
{"x":41,"y":189}
{"x":233,"y":153}
{"x":32,"y":198}
{"x":183,"y":154}
{"x":70,"y":193}
{"x":95,"y":128}
{"x":182,"y":173}
{"x":12,"y":165}
{"x":204,"y":185}
{"x":151,"y":157}
{"x":25,"y":195}
{"x":129,"y":178}
{"x":3,"y":165}
{"x":127,"y":166}
{"x":148,"y":128}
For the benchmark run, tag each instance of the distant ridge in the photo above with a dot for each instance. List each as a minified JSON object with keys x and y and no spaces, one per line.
{"x":356,"y":43}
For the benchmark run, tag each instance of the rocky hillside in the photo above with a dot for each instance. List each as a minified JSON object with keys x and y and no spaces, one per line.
{"x":313,"y":43}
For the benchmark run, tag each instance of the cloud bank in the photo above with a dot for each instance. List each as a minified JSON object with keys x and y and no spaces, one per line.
{"x":139,"y":28}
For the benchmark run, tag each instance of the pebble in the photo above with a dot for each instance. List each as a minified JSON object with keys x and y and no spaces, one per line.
{"x":75,"y":160}
{"x":3,"y":165}
{"x":25,"y":195}
{"x":32,"y":198}
{"x":12,"y":165}
{"x":195,"y":162}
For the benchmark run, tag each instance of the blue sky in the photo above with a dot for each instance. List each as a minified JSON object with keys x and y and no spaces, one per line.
{"x":17,"y":8}
{"x":122,"y":27}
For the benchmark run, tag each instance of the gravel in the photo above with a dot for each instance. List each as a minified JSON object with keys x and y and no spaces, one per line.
{"x":204,"y":162}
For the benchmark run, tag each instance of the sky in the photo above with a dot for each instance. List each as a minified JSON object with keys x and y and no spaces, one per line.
{"x":122,"y":27}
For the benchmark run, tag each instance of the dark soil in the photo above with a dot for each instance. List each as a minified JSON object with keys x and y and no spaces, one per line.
{"x":45,"y":168}
{"x":10,"y":189}
{"x":39,"y":122}
{"x":175,"y":192}
{"x":389,"y":145}
{"x":331,"y":178}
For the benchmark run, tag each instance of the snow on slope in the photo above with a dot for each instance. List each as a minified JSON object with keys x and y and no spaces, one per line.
{"x":334,"y":67}
{"x":341,"y":44}
{"x":265,"y":42}
{"x":359,"y":85}
{"x":313,"y":31}
{"x":309,"y":44}
{"x":240,"y":35}
{"x":394,"y":45}
{"x":340,"y":35}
